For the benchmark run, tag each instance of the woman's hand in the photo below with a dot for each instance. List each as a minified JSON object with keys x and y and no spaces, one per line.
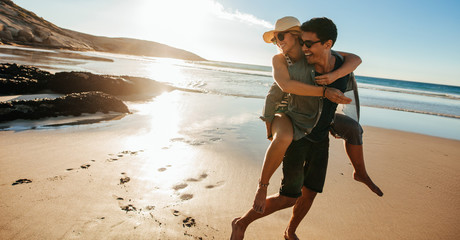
{"x":269,"y":130}
{"x":336,"y":96}
{"x":326,"y":79}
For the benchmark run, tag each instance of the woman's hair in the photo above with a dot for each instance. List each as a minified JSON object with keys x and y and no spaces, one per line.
{"x":296,"y":33}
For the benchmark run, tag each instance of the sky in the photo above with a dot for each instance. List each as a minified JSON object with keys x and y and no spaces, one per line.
{"x":406,"y":40}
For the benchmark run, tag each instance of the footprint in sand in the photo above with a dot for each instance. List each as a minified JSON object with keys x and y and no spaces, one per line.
{"x":128,"y":208}
{"x":118,"y":198}
{"x":201,"y":177}
{"x":56,"y":178}
{"x":85,"y":166}
{"x":21,"y":181}
{"x":180,"y":186}
{"x":188,"y":222}
{"x":196,"y":142}
{"x":164,"y":168}
{"x":176,"y":139}
{"x":186,"y":196}
{"x":130,"y":152}
{"x":218,"y":184}
{"x":124,"y":180}
{"x":150,"y":208}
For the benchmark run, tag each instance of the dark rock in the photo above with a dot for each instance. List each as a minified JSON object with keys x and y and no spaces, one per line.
{"x":20,"y":79}
{"x":67,"y":82}
{"x":72,"y":104}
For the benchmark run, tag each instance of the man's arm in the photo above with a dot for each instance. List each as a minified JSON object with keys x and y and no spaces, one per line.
{"x":351,"y":62}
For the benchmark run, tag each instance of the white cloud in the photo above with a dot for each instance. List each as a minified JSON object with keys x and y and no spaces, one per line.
{"x":246,"y":18}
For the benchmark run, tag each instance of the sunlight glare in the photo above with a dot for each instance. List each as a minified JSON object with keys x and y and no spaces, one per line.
{"x":165,"y":70}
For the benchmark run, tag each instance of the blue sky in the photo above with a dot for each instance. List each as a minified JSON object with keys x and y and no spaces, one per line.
{"x":407,"y":40}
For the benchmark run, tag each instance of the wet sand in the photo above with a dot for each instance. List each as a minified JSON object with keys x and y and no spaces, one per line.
{"x":183,"y":165}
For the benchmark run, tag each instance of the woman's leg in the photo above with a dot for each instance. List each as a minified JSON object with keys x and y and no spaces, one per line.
{"x":274,"y":203}
{"x":350,"y":130}
{"x":282,"y":138}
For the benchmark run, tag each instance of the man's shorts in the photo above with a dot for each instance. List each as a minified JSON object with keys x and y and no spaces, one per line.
{"x":305,"y":164}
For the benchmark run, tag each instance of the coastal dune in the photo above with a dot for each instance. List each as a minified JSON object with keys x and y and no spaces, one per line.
{"x":186,"y":174}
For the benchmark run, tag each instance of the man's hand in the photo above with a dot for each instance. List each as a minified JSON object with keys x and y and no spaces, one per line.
{"x":326,"y":79}
{"x":337,"y":96}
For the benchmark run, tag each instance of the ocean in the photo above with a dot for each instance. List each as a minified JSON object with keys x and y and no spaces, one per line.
{"x":425,"y":108}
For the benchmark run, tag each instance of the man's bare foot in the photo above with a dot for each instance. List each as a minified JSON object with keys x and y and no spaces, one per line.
{"x":288,"y":235}
{"x":237,"y":230}
{"x":260,"y":199}
{"x":367,"y":180}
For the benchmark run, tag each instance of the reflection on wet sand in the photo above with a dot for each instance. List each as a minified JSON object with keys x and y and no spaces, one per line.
{"x":46,"y":59}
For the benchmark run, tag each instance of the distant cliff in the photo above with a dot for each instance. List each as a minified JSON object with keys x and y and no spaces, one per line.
{"x":21,"y":27}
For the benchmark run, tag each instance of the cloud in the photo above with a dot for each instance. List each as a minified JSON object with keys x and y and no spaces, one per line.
{"x":236,"y":15}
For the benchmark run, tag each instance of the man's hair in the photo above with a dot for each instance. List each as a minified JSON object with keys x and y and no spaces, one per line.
{"x":324,"y":28}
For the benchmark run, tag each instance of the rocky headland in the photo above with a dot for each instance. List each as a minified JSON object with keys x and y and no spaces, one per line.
{"x":19,"y":26}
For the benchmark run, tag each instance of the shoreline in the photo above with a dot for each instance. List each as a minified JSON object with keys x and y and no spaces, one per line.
{"x":426,"y":124}
{"x":188,"y":173}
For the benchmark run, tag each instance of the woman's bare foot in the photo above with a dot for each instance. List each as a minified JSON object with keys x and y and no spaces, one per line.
{"x":260,"y":199}
{"x":367,"y":180}
{"x":237,"y":230}
{"x":288,"y":235}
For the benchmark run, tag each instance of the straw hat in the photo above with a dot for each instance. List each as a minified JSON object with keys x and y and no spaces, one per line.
{"x":282,"y":24}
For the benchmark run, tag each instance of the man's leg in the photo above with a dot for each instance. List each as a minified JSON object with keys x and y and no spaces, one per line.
{"x":351,"y":131}
{"x":356,"y":155}
{"x":301,"y":208}
{"x":272,"y":204}
{"x":315,"y":170}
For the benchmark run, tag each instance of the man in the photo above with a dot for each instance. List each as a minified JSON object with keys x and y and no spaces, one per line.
{"x":320,"y":35}
{"x":305,"y":161}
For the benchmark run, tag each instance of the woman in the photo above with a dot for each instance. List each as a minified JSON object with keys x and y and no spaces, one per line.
{"x":279,"y":126}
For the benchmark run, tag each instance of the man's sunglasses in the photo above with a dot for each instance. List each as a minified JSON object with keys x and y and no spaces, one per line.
{"x":280,"y":37}
{"x":307,"y":43}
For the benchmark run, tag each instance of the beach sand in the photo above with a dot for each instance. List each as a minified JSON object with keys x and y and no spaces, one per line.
{"x":183,"y":165}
